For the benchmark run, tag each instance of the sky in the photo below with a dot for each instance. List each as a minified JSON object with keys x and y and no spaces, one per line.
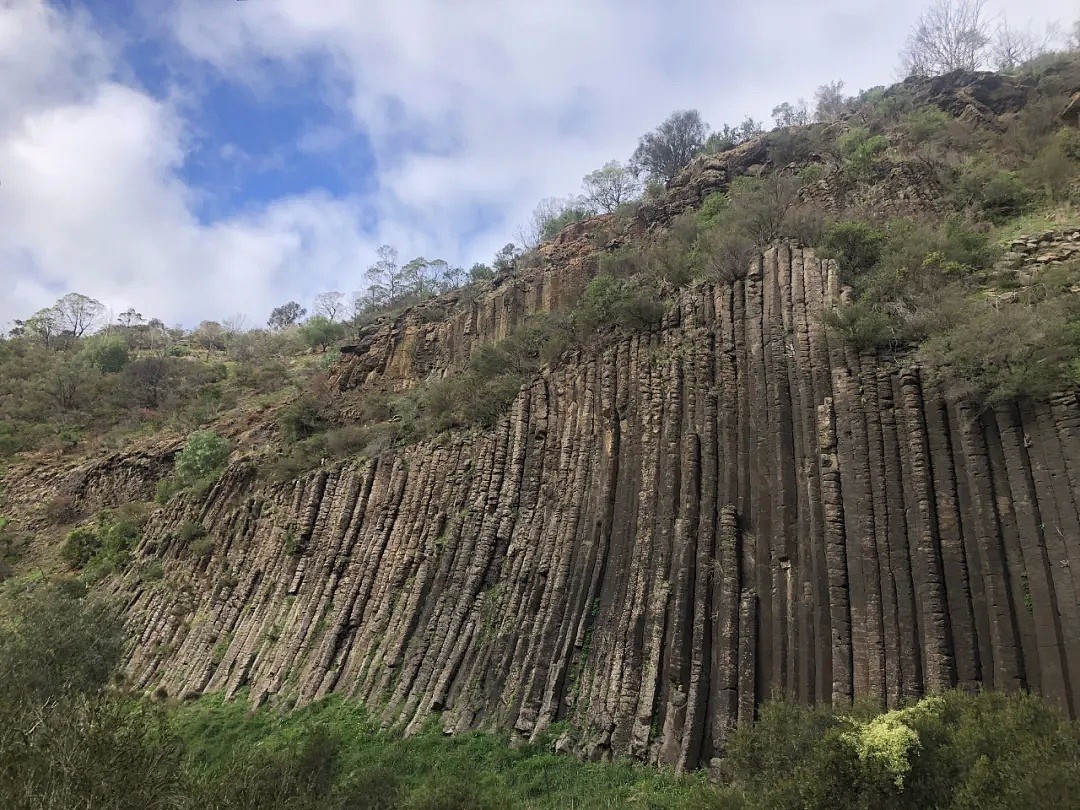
{"x":203,"y":159}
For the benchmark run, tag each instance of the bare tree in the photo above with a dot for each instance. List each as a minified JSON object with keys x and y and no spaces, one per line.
{"x":234,"y":324}
{"x":1012,"y":47}
{"x":78,"y":313}
{"x":1074,"y":37}
{"x":610,"y":186}
{"x":550,"y":216}
{"x":950,"y":35}
{"x":384,"y":277}
{"x":830,"y":103}
{"x":329,"y":304}
{"x":668,"y":149}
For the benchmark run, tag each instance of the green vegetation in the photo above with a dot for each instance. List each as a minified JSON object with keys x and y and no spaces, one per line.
{"x":71,"y":736}
{"x":198,"y":466}
{"x":103,"y":546}
{"x":204,"y":454}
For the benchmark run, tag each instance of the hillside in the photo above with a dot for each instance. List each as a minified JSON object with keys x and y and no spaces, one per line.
{"x":805,"y":423}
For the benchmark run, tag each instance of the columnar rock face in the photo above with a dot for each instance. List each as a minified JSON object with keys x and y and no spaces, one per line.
{"x":658,"y":536}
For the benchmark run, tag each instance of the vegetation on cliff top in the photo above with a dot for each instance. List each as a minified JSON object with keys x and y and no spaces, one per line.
{"x":70,"y":735}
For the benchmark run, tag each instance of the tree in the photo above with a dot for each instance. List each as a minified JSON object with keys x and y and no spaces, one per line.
{"x":384,"y":277}
{"x":728,"y":136}
{"x":830,"y":103}
{"x":1074,"y":37}
{"x":610,"y":186}
{"x":285,"y":316}
{"x":107,"y":353}
{"x":43,"y":325}
{"x":450,"y":276}
{"x":78,"y":313}
{"x":667,"y":150}
{"x":129,"y":318}
{"x":480,"y":272}
{"x":209,"y":336}
{"x":418,"y":277}
{"x":1012,"y":47}
{"x":791,"y":115}
{"x":549,"y":217}
{"x":319,"y":332}
{"x":505,"y":258}
{"x":149,"y":380}
{"x":329,"y":304}
{"x":950,"y":35}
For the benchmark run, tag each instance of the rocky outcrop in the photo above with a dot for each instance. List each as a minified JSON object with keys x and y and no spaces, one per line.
{"x":1027,"y":254}
{"x":661,"y":533}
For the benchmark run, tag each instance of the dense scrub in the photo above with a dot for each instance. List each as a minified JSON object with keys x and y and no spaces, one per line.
{"x":70,"y":736}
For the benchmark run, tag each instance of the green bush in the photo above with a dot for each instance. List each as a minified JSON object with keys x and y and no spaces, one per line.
{"x":204,"y":454}
{"x":955,"y":750}
{"x":1018,"y":348}
{"x":80,"y":546}
{"x":108,"y":354}
{"x":924,"y":124}
{"x":861,"y":152}
{"x":998,"y":193}
{"x":189,"y":531}
{"x":865,"y":326}
{"x":301,"y":419}
{"x":9,"y":441}
{"x":856,"y":246}
{"x":318,"y":332}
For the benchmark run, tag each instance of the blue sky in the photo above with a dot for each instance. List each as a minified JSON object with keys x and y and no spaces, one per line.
{"x":201,"y":158}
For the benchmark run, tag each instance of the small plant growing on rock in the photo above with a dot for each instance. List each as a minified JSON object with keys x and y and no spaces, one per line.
{"x":204,"y":455}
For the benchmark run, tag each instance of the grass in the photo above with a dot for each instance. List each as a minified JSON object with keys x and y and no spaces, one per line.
{"x":485,"y":766}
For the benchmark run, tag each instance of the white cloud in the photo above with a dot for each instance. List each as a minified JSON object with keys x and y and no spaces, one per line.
{"x":467,"y":105}
{"x":90,"y":200}
{"x":496,"y":82}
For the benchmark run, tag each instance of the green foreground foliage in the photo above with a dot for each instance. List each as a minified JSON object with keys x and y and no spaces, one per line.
{"x":70,"y":736}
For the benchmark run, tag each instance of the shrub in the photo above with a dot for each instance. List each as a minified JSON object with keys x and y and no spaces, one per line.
{"x":998,"y":193}
{"x":318,"y":332}
{"x":190,"y":531}
{"x":301,"y":419}
{"x":80,"y":546}
{"x":855,"y":245}
{"x":955,"y":750}
{"x":108,"y":354}
{"x":712,"y":207}
{"x":992,"y":353}
{"x":860,"y":151}
{"x":56,"y":640}
{"x":201,"y":547}
{"x":9,"y":441}
{"x":204,"y":454}
{"x":865,"y":326}
{"x":924,"y":124}
{"x":61,"y":509}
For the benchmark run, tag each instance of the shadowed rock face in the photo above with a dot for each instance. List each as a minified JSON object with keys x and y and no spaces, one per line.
{"x":656,"y":538}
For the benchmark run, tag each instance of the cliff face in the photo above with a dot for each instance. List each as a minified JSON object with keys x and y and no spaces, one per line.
{"x":658,"y":536}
